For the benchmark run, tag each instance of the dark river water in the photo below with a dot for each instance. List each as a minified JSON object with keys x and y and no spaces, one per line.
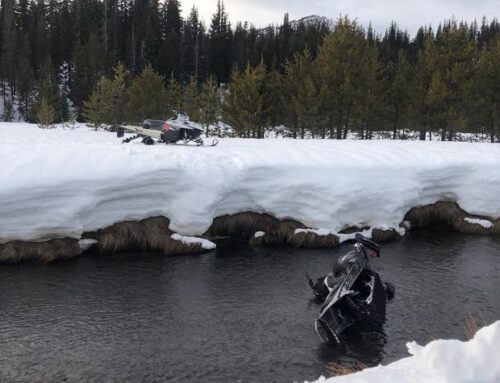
{"x":237,"y":315}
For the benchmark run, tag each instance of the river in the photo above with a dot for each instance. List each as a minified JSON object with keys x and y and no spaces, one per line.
{"x":236,"y":315}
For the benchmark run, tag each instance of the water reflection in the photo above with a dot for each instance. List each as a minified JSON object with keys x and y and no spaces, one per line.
{"x":356,"y":347}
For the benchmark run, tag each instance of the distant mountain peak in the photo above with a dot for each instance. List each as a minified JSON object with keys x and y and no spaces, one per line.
{"x":313,"y":20}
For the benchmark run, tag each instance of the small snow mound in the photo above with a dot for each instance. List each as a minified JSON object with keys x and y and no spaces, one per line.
{"x":204,"y":243}
{"x":406,"y":225}
{"x":347,"y":237}
{"x":259,"y":234}
{"x":481,"y":222}
{"x":440,"y":361}
{"x":320,"y":232}
{"x":86,"y":244}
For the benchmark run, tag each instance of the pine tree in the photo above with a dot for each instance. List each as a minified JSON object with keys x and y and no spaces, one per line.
{"x":210,"y":104}
{"x":25,"y":81}
{"x":285,"y":41}
{"x":436,"y":103}
{"x":40,"y":48}
{"x":193,"y":39}
{"x":174,"y":96}
{"x":62,"y":37}
{"x":370,"y":106}
{"x":88,"y":68}
{"x":191,"y":99}
{"x":45,"y":115}
{"x":246,"y":106}
{"x":93,"y":111}
{"x":114,"y":96}
{"x":399,"y":92}
{"x":171,"y":50}
{"x":240,"y":47}
{"x":154,"y":36}
{"x":450,"y":60}
{"x":485,"y":107}
{"x":219,"y":51}
{"x":111,"y":100}
{"x":147,"y":97}
{"x":303,"y":95}
{"x":340,"y":61}
{"x":8,"y":57}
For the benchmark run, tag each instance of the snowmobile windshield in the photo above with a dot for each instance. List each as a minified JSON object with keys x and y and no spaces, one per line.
{"x":341,"y":268}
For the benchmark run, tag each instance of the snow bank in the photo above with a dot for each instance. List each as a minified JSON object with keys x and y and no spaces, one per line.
{"x":64,"y":182}
{"x":481,"y":222}
{"x":441,"y":361}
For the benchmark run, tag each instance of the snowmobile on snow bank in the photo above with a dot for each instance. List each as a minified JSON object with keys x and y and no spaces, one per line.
{"x":179,"y":128}
{"x":352,"y":294}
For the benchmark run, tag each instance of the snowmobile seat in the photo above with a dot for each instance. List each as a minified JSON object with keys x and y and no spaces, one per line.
{"x":153,"y":124}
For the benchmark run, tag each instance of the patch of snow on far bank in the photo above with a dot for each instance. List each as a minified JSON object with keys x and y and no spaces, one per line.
{"x":320,"y":232}
{"x":347,"y":237}
{"x":64,"y":182}
{"x":86,"y":244}
{"x":481,"y":222}
{"x":259,"y":234}
{"x":441,"y":361}
{"x":204,"y":243}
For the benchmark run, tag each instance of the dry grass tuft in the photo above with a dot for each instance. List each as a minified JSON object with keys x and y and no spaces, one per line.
{"x":449,"y":214}
{"x":43,"y":252}
{"x":470,"y":326}
{"x":310,"y":240}
{"x":381,"y":235}
{"x":442,"y":212}
{"x":337,"y":369}
{"x":245,"y":225}
{"x":151,"y":234}
{"x":278,"y":232}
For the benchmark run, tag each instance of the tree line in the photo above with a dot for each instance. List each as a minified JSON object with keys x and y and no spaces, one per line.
{"x":59,"y":50}
{"x":441,"y":82}
{"x":111,"y":61}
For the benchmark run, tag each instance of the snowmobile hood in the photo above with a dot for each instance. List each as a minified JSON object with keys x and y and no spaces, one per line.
{"x":183,"y":124}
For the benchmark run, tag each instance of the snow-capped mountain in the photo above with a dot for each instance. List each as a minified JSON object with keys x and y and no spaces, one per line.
{"x":313,"y":20}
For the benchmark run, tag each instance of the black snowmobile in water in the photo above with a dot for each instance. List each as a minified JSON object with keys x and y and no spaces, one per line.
{"x":177,"y":129}
{"x":352,"y":294}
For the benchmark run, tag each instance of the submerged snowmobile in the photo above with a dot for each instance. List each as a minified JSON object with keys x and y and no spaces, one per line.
{"x":179,"y":128}
{"x":352,"y":294}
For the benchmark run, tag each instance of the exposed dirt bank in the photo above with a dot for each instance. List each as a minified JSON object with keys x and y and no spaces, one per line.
{"x":451,"y":215}
{"x":153,"y":234}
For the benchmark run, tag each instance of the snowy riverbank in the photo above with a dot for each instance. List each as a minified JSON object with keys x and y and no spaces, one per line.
{"x":60,"y":182}
{"x":441,"y":361}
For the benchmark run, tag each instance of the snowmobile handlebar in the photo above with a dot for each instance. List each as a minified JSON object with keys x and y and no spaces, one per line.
{"x":368,"y":244}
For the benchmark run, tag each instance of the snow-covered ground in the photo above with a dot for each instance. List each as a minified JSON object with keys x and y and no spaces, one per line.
{"x":64,"y":182}
{"x":441,"y":361}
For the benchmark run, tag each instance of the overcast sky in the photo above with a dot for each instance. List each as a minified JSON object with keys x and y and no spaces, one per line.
{"x":409,"y":14}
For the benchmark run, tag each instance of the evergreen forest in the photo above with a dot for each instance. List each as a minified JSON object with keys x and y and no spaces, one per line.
{"x":109,"y":62}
